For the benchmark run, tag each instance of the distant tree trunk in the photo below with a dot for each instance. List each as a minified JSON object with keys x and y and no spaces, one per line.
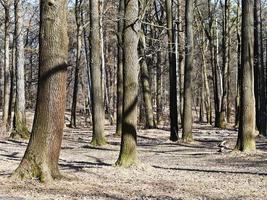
{"x":238,"y":74}
{"x":172,"y":73}
{"x":262,"y":77}
{"x":264,"y":129}
{"x":41,"y":157}
{"x":159,"y":89}
{"x":7,"y":81}
{"x":97,"y":93}
{"x":128,"y":152}
{"x":20,"y":126}
{"x":120,"y":69}
{"x":88,"y":72}
{"x":78,"y":4}
{"x":187,"y":111}
{"x":145,"y":79}
{"x":246,"y":133}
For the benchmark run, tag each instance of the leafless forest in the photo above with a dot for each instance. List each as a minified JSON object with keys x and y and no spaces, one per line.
{"x":128,"y":99}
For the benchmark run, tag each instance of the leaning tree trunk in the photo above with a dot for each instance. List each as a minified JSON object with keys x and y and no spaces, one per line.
{"x":128,"y":152}
{"x":20,"y":126}
{"x":41,"y":157}
{"x":246,"y":133}
{"x":172,"y":74}
{"x":187,"y":111}
{"x":120,"y":70}
{"x":97,"y":89}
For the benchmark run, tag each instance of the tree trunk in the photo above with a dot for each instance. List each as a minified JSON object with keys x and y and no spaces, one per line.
{"x":187,"y":111}
{"x":78,"y":4}
{"x":6,"y":68}
{"x":20,"y":126}
{"x":246,"y":135}
{"x":120,"y":69}
{"x":128,"y":152}
{"x":41,"y":157}
{"x":97,"y":92}
{"x":145,"y":79}
{"x":172,"y":73}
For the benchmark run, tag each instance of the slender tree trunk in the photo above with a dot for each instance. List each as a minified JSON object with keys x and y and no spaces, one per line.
{"x":97,"y":92}
{"x":20,"y":126}
{"x":78,"y":4}
{"x":246,"y":133}
{"x":128,"y":151}
{"x":41,"y":157}
{"x":262,"y":76}
{"x":187,"y":114}
{"x":145,"y":79}
{"x":120,"y":69}
{"x":172,"y":73}
{"x":159,"y":89}
{"x":7,"y":81}
{"x":238,"y":74}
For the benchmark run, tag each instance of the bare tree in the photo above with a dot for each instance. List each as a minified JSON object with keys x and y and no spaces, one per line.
{"x":41,"y":157}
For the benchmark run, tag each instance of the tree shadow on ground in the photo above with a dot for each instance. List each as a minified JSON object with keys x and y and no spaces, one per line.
{"x":211,"y":170}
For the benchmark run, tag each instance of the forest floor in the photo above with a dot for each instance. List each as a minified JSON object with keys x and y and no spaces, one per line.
{"x":166,"y":170}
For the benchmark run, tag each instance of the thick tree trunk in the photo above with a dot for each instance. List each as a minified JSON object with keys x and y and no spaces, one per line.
{"x":20,"y":126}
{"x":97,"y":88}
{"x":128,"y":151}
{"x":172,"y":74}
{"x":246,"y":133}
{"x":41,"y":157}
{"x":187,"y":111}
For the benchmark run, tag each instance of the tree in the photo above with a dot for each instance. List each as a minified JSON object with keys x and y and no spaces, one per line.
{"x":78,"y":4}
{"x":172,"y":73}
{"x":97,"y":89}
{"x":187,"y":111}
{"x":120,"y":70}
{"x":41,"y":157}
{"x":246,"y":135}
{"x":128,"y":152}
{"x":20,"y":126}
{"x":6,"y":4}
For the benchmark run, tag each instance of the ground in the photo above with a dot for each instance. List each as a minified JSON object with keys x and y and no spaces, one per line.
{"x":166,"y":170}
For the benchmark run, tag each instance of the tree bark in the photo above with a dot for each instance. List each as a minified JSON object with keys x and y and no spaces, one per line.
{"x":97,"y":88}
{"x":120,"y":70}
{"x":78,"y":4}
{"x":41,"y":157}
{"x":20,"y":126}
{"x":246,"y":133}
{"x":128,"y":150}
{"x":172,"y":73}
{"x":189,"y":43}
{"x":7,"y":81}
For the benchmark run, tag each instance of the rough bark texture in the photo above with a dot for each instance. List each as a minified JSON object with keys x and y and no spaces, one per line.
{"x":20,"y":127}
{"x":128,"y":151}
{"x":172,"y":73}
{"x":120,"y":70}
{"x":97,"y":89}
{"x":246,"y":135}
{"x":187,"y":111}
{"x":41,"y":157}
